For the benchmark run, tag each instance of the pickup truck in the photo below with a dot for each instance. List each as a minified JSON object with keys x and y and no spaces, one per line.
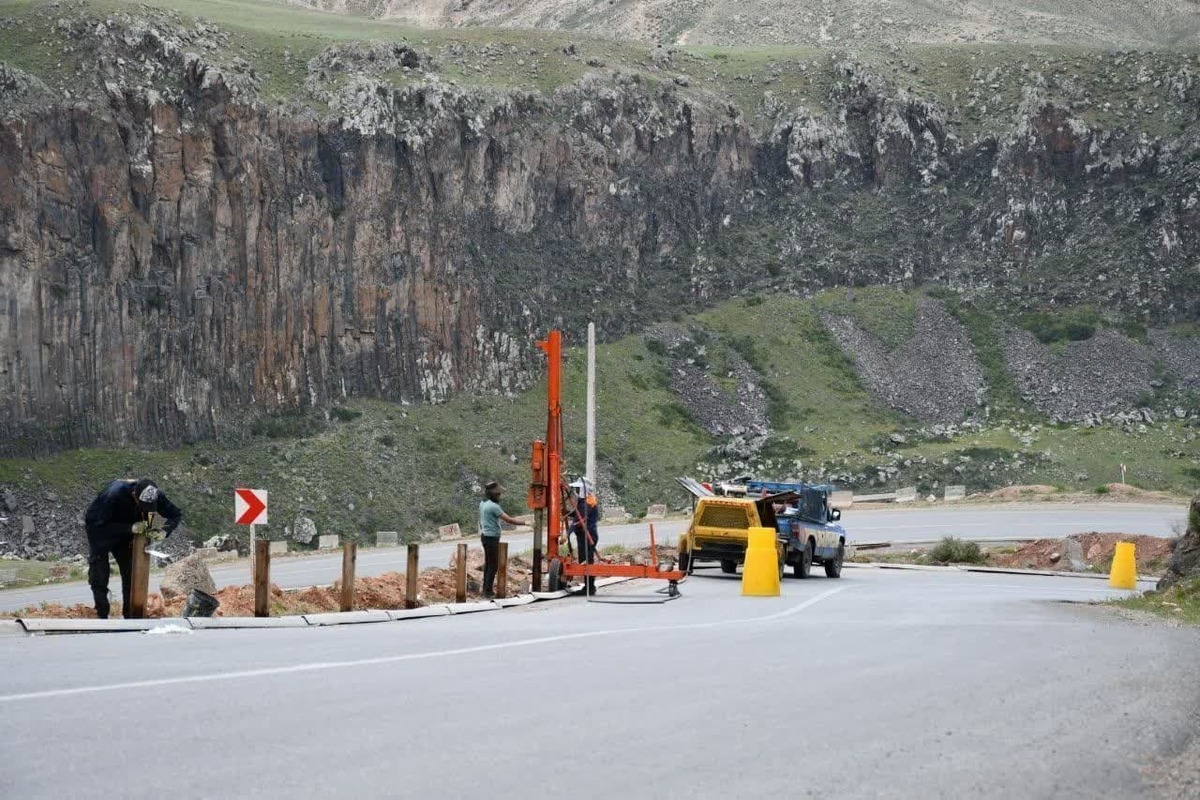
{"x":807,"y":527}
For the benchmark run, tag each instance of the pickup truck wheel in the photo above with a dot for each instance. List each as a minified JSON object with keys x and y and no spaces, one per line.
{"x":833,"y":568}
{"x":685,"y":562}
{"x":803,"y":565}
{"x":729,"y":566}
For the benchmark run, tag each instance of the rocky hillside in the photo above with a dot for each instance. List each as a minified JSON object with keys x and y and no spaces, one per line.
{"x":857,"y":23}
{"x":206,"y":220}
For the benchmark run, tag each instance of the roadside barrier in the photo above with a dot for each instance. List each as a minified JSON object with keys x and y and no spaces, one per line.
{"x":760,"y":574}
{"x":1123,"y":574}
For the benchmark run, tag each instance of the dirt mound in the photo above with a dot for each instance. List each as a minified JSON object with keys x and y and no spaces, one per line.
{"x":1017,"y":492}
{"x":434,"y":585}
{"x":1097,"y":551}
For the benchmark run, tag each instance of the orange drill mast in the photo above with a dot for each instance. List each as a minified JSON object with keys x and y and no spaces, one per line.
{"x":546,"y":493}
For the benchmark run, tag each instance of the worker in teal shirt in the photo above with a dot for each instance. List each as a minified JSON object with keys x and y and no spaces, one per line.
{"x":490,"y":517}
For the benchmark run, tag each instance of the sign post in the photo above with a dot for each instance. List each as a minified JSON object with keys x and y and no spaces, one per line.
{"x":250,"y":508}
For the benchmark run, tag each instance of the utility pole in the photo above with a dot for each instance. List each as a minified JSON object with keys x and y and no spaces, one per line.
{"x":590,"y":465}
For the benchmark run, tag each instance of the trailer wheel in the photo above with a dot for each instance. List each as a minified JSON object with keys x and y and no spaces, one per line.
{"x":833,"y":568}
{"x":729,"y":566}
{"x":803,"y":566}
{"x":554,"y":575}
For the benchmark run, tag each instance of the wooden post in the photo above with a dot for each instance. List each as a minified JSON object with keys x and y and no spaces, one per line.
{"x":460,"y":575}
{"x":502,"y":572}
{"x":139,"y":578}
{"x":349,"y":557}
{"x":536,"y":579}
{"x":262,"y":577}
{"x":410,"y":576}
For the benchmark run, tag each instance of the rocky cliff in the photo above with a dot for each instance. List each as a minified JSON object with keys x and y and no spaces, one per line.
{"x":180,"y":249}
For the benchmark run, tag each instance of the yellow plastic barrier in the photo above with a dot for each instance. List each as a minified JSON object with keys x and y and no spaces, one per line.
{"x":1123,"y":574}
{"x":760,"y":575}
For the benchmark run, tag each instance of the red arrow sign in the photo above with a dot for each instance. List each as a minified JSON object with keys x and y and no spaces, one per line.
{"x":250,"y":506}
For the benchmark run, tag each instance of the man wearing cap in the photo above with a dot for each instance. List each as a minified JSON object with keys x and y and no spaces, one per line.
{"x":123,"y":509}
{"x":490,"y":517}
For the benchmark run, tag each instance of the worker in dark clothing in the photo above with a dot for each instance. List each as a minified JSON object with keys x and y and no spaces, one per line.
{"x":585,"y":524}
{"x":123,"y":509}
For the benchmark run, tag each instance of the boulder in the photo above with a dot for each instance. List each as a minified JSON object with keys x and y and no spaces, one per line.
{"x":184,"y":575}
{"x":304,"y":530}
{"x":1185,"y":562}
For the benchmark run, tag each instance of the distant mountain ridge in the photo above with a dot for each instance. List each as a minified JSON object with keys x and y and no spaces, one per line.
{"x":855,"y":23}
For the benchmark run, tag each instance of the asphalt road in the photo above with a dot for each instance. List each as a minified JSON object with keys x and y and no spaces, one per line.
{"x":881,"y":684}
{"x":891,"y":523}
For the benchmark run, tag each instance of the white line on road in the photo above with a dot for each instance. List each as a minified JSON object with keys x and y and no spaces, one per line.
{"x":366,"y":662}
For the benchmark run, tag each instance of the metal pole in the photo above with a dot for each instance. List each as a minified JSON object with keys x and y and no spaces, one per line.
{"x":591,"y":407}
{"x":539,"y":516}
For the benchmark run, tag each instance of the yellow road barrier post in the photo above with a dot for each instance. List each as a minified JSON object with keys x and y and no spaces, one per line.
{"x":1123,"y":574}
{"x":760,"y":574}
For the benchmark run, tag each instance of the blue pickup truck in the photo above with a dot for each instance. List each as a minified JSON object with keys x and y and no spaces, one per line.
{"x":808,"y":524}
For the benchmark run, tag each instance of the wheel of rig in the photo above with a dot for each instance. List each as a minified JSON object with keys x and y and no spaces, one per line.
{"x":554,"y":575}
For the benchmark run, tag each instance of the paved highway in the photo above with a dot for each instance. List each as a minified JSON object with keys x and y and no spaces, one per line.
{"x":891,"y":523}
{"x":883,"y":684}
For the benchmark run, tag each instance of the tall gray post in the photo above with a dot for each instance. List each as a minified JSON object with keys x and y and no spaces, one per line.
{"x":591,"y":406}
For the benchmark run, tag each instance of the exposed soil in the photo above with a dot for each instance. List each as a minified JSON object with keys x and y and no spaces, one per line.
{"x":1152,"y":552}
{"x":435,"y":585}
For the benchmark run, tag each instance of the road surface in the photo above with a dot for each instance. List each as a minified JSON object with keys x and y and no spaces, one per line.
{"x":894,"y":524}
{"x":881,"y":684}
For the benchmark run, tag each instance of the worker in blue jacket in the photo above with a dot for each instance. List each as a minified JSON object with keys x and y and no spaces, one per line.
{"x":122,"y":510}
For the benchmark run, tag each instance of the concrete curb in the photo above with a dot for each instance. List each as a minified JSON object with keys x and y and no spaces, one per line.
{"x":1043,"y":573}
{"x":231,"y":623}
{"x":11,"y":627}
{"x":1099,"y":576}
{"x":99,"y":625}
{"x":519,"y":600}
{"x":471,"y":608}
{"x":347,"y":617}
{"x":59,"y":626}
{"x":419,"y":613}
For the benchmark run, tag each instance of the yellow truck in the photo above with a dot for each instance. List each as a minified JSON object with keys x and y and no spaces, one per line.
{"x":806,"y":526}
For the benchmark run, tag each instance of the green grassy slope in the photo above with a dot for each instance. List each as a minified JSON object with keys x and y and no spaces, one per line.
{"x":980,"y":84}
{"x":372,"y":465}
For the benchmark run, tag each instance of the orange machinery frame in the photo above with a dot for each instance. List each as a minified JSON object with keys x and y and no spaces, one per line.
{"x":546,"y":490}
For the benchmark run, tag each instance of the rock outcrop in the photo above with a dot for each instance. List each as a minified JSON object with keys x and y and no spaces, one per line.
{"x":179,"y":254}
{"x":1185,"y":562}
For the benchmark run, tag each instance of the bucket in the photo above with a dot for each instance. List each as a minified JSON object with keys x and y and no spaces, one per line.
{"x":200,"y":604}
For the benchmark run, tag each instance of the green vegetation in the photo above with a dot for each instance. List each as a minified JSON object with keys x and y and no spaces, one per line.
{"x":956,"y":551}
{"x":373,"y":465}
{"x":886,"y":313}
{"x":1180,"y":602}
{"x":1061,"y":325}
{"x":36,"y":573}
{"x":981,"y":85}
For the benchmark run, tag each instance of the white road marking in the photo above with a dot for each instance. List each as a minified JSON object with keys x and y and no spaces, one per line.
{"x":365,"y":662}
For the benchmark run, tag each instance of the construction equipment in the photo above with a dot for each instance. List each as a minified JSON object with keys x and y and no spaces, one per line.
{"x":547,"y":491}
{"x":806,"y":525}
